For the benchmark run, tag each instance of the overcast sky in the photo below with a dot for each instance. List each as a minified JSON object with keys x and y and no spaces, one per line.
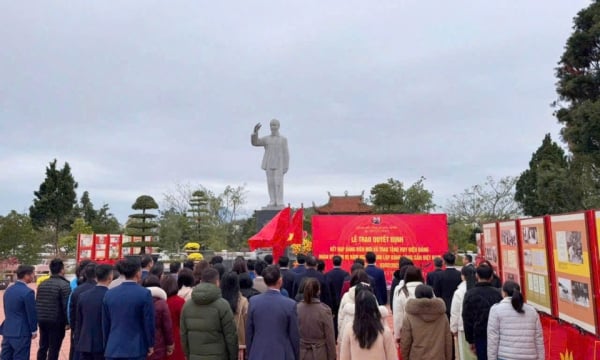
{"x":138,"y":96}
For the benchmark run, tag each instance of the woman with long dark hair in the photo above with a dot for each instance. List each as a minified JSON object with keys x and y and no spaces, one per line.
{"x":366,"y":337}
{"x":514,"y":330}
{"x":359,"y":279}
{"x":315,"y":324}
{"x":467,"y":274}
{"x":413,"y":277}
{"x":230,"y":291}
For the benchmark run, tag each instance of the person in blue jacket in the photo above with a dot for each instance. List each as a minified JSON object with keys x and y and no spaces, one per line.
{"x":20,"y":317}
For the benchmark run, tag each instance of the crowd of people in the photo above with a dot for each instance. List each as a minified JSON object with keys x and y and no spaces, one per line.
{"x":261,"y":310}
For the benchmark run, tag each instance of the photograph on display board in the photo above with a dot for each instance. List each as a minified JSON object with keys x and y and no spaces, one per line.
{"x":565,"y":288}
{"x":491,"y":254}
{"x":580,"y":293}
{"x":114,"y":251}
{"x":85,"y":254}
{"x":530,"y":235}
{"x":86,"y":240}
{"x":508,"y":237}
{"x":569,"y":246}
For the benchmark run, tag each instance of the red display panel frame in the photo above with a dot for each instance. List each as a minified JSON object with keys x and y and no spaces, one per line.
{"x":569,"y":243}
{"x":509,"y":252}
{"x":535,"y":263}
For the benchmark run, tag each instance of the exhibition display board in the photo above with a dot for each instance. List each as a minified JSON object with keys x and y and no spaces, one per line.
{"x":107,"y":247}
{"x":535,"y":264}
{"x":509,"y":252}
{"x":490,"y":243}
{"x":420,"y":237}
{"x":570,"y":251}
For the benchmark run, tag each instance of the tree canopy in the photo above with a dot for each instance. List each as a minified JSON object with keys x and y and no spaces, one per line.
{"x":142,"y":224}
{"x":548,"y":187}
{"x":578,"y":104}
{"x":55,"y":200}
{"x":391,"y":197}
{"x":18,"y":238}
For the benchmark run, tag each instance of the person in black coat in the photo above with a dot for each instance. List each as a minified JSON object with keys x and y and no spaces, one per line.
{"x":447,"y":281}
{"x":311,"y":272}
{"x":335,"y":277}
{"x":476,"y":308}
{"x":433,"y":276}
{"x":288,"y":277}
{"x":51,"y":306}
{"x":89,"y":275}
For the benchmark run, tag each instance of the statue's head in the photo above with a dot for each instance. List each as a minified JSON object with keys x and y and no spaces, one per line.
{"x":274,"y":125}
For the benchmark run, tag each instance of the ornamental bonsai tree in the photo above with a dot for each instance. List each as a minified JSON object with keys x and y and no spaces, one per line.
{"x":142,"y":223}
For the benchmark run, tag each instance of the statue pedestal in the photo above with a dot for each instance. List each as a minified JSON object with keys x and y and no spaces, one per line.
{"x":264,"y":216}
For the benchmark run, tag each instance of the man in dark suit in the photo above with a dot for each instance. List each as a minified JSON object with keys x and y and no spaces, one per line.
{"x":128,"y":316}
{"x":90,"y":342}
{"x":379,"y":276}
{"x":287,"y":275}
{"x":300,"y":269}
{"x":335,"y":278}
{"x":20,"y":317}
{"x":434,"y":276}
{"x":447,"y":281}
{"x":89,"y":274}
{"x":468,"y":260}
{"x":272,"y":325}
{"x":311,"y":272}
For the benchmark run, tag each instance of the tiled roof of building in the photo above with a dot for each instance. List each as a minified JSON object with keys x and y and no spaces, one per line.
{"x":347,"y":204}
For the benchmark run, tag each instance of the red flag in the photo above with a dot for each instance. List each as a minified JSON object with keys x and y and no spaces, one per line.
{"x":296,"y":228}
{"x":273,"y":233}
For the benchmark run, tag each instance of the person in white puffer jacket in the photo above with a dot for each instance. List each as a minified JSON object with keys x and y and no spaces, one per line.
{"x":456,"y":322}
{"x":514,"y":329}
{"x":347,"y":305}
{"x":412,"y":278}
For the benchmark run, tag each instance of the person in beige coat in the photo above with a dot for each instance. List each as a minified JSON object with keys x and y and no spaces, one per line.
{"x":315,"y":324}
{"x":366,"y":337}
{"x":425,"y":330}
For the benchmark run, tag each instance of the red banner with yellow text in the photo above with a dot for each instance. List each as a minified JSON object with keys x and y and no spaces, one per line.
{"x":419,"y":237}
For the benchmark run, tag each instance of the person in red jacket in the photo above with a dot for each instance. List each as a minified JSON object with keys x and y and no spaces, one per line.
{"x":163,"y":326}
{"x":175,"y":304}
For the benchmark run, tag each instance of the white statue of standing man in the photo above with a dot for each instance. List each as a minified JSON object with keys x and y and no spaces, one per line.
{"x":275,"y":161}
